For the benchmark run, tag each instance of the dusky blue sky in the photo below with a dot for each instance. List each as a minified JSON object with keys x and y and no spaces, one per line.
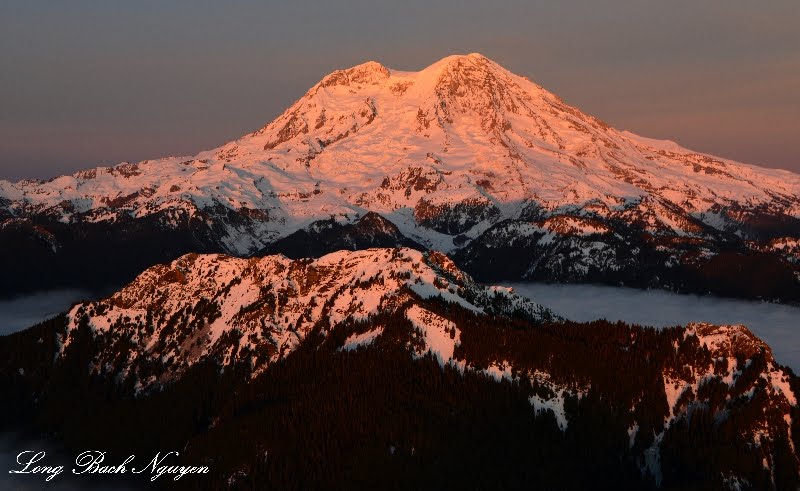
{"x":85,"y":82}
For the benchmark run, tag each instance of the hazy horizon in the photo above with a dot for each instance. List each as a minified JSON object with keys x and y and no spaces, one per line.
{"x":87,"y":84}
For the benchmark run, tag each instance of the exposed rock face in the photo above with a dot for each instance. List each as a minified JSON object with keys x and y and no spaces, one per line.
{"x":462,"y":155}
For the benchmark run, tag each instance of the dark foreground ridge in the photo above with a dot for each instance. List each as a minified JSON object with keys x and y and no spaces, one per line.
{"x":279,"y":374}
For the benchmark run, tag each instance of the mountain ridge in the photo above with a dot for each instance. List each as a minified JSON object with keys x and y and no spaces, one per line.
{"x":196,"y":302}
{"x":230,"y":358}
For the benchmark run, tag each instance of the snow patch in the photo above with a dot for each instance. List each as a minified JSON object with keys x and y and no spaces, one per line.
{"x":355,"y":341}
{"x":441,"y":336}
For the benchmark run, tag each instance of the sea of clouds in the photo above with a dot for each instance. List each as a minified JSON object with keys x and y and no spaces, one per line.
{"x":778,"y":325}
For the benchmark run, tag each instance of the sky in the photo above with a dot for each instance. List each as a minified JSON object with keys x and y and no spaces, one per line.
{"x":86,"y":83}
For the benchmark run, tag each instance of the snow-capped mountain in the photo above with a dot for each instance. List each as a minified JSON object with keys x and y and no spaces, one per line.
{"x":464,"y":157}
{"x":259,"y":310}
{"x":204,"y":348}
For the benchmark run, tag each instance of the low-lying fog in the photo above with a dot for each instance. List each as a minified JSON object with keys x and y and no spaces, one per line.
{"x":778,"y":325}
{"x":21,"y":312}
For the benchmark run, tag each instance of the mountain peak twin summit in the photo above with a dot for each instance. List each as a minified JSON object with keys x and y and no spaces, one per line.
{"x":462,"y":157}
{"x":307,"y":307}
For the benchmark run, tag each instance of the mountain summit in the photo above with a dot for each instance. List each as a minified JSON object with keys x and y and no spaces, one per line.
{"x":463,"y":157}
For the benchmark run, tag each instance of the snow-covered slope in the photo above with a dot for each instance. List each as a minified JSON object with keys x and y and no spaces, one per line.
{"x":444,"y":153}
{"x":259,"y":310}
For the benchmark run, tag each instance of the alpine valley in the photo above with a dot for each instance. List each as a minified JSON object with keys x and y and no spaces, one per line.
{"x":462,"y":157}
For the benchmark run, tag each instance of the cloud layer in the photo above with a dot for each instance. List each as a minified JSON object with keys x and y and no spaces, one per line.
{"x":776,"y":324}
